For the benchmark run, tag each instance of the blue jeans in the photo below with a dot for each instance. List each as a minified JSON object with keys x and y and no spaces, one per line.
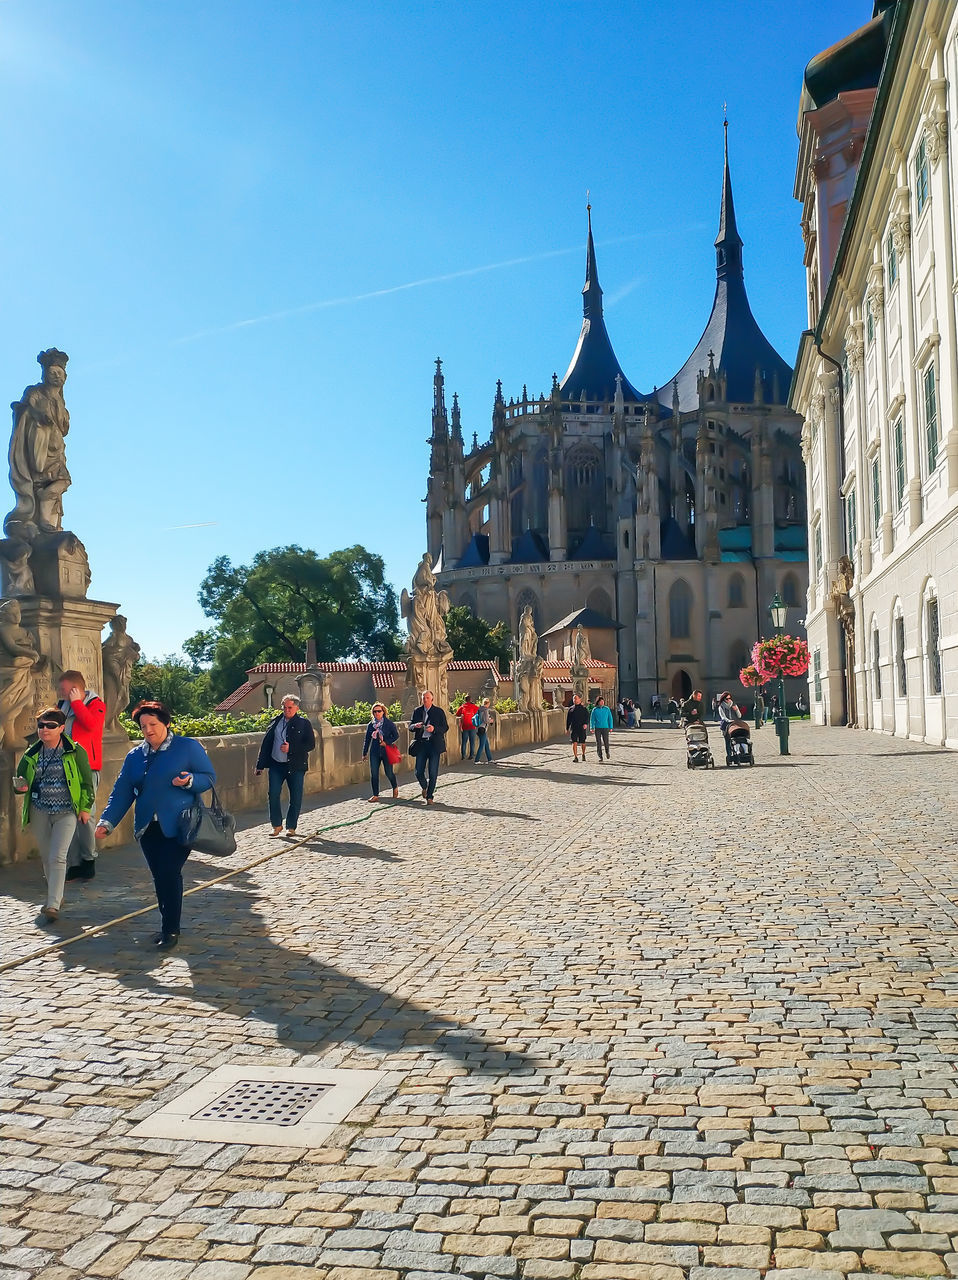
{"x":377,"y":758}
{"x":278,"y":774}
{"x":483,"y":746}
{"x":427,"y":768}
{"x":467,"y":739}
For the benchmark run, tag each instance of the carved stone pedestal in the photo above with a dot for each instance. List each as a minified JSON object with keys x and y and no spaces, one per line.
{"x":69,"y":633}
{"x":426,"y":673}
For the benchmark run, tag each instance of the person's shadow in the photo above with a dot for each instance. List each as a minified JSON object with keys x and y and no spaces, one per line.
{"x":235,"y":968}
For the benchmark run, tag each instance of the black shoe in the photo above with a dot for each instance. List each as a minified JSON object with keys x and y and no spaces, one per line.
{"x":86,"y":870}
{"x":167,"y":941}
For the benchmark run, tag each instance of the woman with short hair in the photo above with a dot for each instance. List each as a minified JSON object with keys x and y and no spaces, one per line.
{"x":381,"y":732}
{"x":161,"y":777}
{"x":486,"y":720}
{"x":56,"y":782}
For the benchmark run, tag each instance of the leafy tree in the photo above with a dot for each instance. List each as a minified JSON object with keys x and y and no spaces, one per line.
{"x":268,"y":611}
{"x":184,"y":689}
{"x":474,"y":639}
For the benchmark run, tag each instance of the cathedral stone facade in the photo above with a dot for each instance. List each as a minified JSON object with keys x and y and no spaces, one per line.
{"x":677,"y":514}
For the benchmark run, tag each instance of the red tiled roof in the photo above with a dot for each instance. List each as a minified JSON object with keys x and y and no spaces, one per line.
{"x":563,"y":664}
{"x":237,"y":696}
{"x":392,"y":667}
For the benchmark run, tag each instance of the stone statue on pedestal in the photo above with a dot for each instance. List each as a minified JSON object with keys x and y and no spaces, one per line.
{"x":427,"y":650}
{"x":120,"y":652}
{"x":38,"y":462}
{"x":529,"y":667}
{"x":20,"y":668}
{"x":314,"y":692}
{"x":581,"y":657}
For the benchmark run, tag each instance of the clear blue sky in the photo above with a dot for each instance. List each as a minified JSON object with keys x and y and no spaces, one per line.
{"x":253,"y":226}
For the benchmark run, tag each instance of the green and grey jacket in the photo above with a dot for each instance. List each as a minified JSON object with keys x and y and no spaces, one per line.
{"x":76,"y":768}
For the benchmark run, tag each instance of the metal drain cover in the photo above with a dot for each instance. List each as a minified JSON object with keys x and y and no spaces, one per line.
{"x":262,"y":1106}
{"x":264,"y":1102}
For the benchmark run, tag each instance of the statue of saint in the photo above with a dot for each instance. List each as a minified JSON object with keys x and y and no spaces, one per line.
{"x":425,"y":610}
{"x":120,"y":653}
{"x":529,"y":667}
{"x":16,"y":576}
{"x":38,"y":463}
{"x":582,"y":653}
{"x":20,"y":663}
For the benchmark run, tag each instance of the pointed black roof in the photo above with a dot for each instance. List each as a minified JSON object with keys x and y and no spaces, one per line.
{"x":594,"y":366}
{"x":732,"y":338}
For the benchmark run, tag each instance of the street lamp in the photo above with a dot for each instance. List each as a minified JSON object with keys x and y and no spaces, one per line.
{"x":778,"y":612}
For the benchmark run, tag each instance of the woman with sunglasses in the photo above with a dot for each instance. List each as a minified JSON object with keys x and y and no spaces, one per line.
{"x":380,"y":733}
{"x":57,"y":785}
{"x":160,"y":777}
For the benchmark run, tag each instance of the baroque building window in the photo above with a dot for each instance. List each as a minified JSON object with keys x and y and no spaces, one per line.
{"x":817,"y":674}
{"x":933,"y":645}
{"x":891,"y":257}
{"x":851,"y":522}
{"x":901,"y":670}
{"x":931,"y":417}
{"x":921,"y":176}
{"x":876,"y":492}
{"x":876,"y":663}
{"x":898,"y":436}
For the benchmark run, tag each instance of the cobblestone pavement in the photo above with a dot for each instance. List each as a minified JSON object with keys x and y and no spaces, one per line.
{"x":635,"y":1021}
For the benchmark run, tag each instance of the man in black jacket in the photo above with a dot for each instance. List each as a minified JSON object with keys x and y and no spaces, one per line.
{"x":284,"y":751}
{"x":577,"y":725}
{"x":429,"y":727}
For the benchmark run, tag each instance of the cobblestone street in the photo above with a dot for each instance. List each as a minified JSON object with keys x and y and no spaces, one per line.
{"x":635,"y":1021}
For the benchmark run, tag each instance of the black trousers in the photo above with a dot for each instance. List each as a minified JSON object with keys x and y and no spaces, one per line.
{"x":165,"y":857}
{"x":602,"y":740}
{"x":427,"y":768}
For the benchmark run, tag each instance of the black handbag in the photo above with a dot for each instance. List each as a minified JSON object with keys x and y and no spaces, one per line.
{"x":208,"y":829}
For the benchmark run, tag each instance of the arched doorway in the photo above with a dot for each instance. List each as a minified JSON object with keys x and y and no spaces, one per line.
{"x":681,"y":685}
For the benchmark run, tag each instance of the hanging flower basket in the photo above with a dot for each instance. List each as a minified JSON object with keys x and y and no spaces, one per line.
{"x":751,"y":679}
{"x":780,"y":657}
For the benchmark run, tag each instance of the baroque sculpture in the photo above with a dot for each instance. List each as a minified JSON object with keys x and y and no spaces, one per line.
{"x":120,"y":652}
{"x":428,"y":651}
{"x":581,"y":657}
{"x":529,"y":667}
{"x":38,"y":462}
{"x":841,"y":601}
{"x":20,"y":666}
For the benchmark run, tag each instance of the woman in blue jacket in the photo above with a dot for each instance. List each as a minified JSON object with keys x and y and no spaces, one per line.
{"x":160,"y":777}
{"x":379,"y":732}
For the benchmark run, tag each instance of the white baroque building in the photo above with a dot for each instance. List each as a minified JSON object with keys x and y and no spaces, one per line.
{"x":875,"y":380}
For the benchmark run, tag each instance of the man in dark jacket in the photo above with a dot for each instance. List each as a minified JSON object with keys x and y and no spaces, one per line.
{"x":577,"y":725}
{"x":692,"y":710}
{"x":429,"y":727}
{"x":285,"y":753}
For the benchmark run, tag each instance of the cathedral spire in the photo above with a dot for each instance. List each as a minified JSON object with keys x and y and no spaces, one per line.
{"x":592,"y":291}
{"x":728,"y":242}
{"x":440,"y":422}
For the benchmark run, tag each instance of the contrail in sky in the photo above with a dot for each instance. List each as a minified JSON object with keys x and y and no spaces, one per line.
{"x":203,"y":524}
{"x":326,"y":303}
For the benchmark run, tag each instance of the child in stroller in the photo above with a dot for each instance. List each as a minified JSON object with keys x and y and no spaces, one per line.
{"x":738,"y":739}
{"x":698,"y":753}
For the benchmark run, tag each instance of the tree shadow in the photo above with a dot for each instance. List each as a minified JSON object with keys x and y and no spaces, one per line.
{"x":236,"y":969}
{"x":449,"y":806}
{"x":348,"y":849}
{"x":587,"y":779}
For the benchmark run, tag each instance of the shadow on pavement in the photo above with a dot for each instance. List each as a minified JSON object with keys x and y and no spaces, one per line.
{"x":587,"y":778}
{"x":235,"y":968}
{"x":349,"y":849}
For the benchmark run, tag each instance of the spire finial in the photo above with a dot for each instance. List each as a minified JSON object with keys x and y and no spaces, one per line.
{"x":592,"y":292}
{"x":728,"y":242}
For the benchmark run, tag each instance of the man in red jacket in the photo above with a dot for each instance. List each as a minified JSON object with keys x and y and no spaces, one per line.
{"x":467,"y":730}
{"x":85,"y":713}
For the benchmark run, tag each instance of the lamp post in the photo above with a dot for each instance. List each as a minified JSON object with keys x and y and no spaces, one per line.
{"x":778,"y":612}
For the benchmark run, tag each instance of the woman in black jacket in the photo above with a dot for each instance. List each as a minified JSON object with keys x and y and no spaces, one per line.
{"x":285,"y":753}
{"x":380,"y":733}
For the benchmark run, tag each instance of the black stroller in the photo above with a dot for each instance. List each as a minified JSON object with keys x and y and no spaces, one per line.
{"x":698,"y":752}
{"x":739,"y":744}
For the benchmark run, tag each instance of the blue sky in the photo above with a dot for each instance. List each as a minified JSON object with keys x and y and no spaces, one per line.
{"x":253,"y":226}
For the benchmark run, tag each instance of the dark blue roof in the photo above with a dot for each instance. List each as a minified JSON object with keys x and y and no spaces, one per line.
{"x":476,"y":552}
{"x":594,"y":546}
{"x":675,"y":544}
{"x":529,"y":548}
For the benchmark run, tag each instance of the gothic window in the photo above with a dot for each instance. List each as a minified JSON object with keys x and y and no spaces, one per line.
{"x":736,"y":592}
{"x":515,"y":471}
{"x":790,"y":590}
{"x":680,"y":611}
{"x":516,"y":514}
{"x":585,"y":489}
{"x":599,"y":600}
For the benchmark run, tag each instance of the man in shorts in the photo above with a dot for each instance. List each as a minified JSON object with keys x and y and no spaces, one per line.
{"x":577,"y":726}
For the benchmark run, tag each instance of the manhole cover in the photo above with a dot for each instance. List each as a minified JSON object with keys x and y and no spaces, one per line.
{"x":264,"y":1102}
{"x":262,"y":1106}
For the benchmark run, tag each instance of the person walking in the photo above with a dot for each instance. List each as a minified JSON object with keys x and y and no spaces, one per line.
{"x":284,"y":751}
{"x":161,"y":778}
{"x":429,"y":727}
{"x":577,"y":725}
{"x":657,"y":705}
{"x":728,"y":712}
{"x":56,"y":782}
{"x":487,"y":718}
{"x":600,"y":722}
{"x":85,"y":713}
{"x":381,"y":732}
{"x":467,"y":729}
{"x":692,"y":711}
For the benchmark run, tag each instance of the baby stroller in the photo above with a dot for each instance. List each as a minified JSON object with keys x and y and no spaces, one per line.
{"x":739,"y":744}
{"x":699,"y":754}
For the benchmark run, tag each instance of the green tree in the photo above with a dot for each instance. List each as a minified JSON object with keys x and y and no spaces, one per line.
{"x":475,"y":639}
{"x":184,"y":689}
{"x":268,"y":611}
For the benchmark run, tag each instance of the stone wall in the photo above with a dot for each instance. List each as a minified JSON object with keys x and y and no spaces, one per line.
{"x":336,"y":762}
